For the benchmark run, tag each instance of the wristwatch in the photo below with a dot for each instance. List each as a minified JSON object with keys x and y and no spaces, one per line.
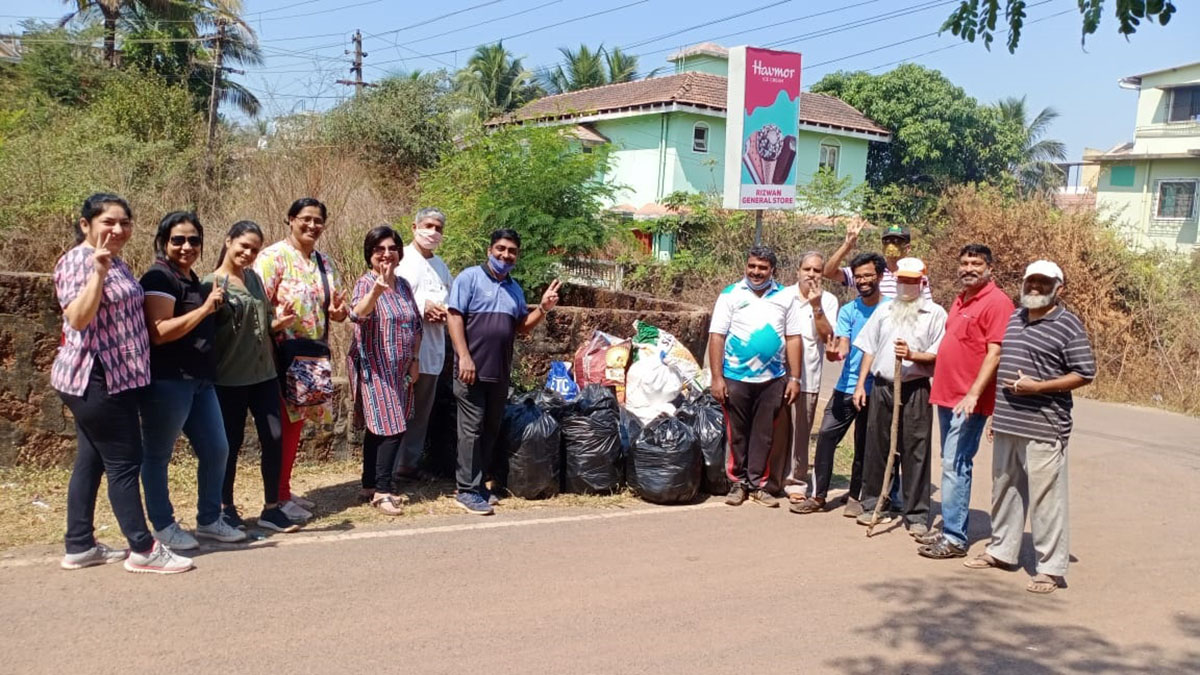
{"x":795,"y":379}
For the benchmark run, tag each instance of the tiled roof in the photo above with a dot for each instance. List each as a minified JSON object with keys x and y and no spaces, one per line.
{"x":691,"y":88}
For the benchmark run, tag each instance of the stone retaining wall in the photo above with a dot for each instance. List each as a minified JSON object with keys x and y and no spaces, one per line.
{"x":36,"y":429}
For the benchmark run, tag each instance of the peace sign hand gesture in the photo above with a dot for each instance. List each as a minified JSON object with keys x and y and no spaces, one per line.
{"x":550,"y":297}
{"x":852,"y":231}
{"x":386,"y":279}
{"x":102,"y":257}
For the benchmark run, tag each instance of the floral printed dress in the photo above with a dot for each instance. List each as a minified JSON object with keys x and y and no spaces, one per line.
{"x":291,"y":279}
{"x":381,"y":351}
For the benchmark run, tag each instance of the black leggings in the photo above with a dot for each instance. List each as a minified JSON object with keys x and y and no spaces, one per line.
{"x":110,"y":443}
{"x":262,"y":400}
{"x":380,"y":456}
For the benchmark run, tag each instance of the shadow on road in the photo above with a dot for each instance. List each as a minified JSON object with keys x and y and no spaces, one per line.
{"x":985,"y":623}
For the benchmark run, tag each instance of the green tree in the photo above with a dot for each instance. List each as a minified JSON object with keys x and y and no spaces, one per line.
{"x":495,"y":81}
{"x":533,"y":180}
{"x":585,"y":68}
{"x":940,"y":135}
{"x":1036,"y":171}
{"x":979,"y":18}
{"x":56,"y":67}
{"x":402,"y":125}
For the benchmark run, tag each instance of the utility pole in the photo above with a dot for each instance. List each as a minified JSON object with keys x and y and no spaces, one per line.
{"x":357,"y":68}
{"x":214,"y":97}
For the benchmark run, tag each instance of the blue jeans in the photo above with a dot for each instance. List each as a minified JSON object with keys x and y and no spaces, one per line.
{"x":960,"y":441}
{"x":169,"y":407}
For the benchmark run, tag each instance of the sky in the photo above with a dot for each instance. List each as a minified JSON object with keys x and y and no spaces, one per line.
{"x":306,"y":43}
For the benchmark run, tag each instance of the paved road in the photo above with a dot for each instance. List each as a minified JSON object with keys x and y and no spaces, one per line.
{"x":703,"y":588}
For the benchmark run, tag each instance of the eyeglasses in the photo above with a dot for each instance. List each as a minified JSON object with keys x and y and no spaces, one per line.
{"x":385,"y":249}
{"x":194,"y":240}
{"x":312,"y":221}
{"x":865,"y":277}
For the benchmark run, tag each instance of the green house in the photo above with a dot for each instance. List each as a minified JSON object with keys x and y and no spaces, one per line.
{"x":667,"y":134}
{"x":1151,"y":185}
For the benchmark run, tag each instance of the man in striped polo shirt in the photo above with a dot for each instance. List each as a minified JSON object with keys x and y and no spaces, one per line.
{"x":897,"y":242}
{"x":1045,"y":355}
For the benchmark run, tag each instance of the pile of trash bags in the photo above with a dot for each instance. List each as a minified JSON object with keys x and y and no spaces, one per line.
{"x":654,"y":428}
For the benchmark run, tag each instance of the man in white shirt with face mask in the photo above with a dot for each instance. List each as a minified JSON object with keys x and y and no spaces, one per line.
{"x":430,"y":280}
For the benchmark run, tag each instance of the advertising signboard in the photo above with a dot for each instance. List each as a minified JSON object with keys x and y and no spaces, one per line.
{"x":761,"y":129}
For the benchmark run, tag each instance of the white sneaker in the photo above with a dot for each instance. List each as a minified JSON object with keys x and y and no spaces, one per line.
{"x":96,"y":555}
{"x":295,"y":512}
{"x":304,"y":502}
{"x":220,"y":531}
{"x":177,"y":538}
{"x":160,"y":560}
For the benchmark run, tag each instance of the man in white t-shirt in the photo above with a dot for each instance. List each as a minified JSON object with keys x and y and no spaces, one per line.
{"x":817,"y":313}
{"x":430,"y":280}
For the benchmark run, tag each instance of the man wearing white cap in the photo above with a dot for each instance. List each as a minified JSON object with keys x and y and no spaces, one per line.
{"x":909,"y":328}
{"x":1045,"y":355}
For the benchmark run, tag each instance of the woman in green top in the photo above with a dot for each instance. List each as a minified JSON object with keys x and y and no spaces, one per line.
{"x":246,"y":378}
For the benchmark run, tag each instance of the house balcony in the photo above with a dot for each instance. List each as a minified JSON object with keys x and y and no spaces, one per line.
{"x":1170,"y":130}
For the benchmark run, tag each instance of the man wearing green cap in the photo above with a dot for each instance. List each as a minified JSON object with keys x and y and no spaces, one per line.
{"x":897,"y":242}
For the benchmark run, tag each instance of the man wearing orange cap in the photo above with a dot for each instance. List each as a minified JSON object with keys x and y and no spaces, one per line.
{"x":909,"y":328}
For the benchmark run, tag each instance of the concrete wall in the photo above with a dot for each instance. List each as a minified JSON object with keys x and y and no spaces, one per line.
{"x":36,"y":429}
{"x":1133,"y":206}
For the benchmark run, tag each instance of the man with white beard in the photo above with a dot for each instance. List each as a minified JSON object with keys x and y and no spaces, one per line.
{"x":909,"y":328}
{"x":1045,"y":355}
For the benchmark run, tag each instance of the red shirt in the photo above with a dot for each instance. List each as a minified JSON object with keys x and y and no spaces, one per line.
{"x":970,"y":327}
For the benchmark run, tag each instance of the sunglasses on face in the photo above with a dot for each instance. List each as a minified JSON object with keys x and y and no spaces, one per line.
{"x":180,"y":240}
{"x":379,"y":250}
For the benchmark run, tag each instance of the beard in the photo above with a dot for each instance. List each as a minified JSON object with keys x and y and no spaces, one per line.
{"x":904,"y":312}
{"x":1032,"y":301}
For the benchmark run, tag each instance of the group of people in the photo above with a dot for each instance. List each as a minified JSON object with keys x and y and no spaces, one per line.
{"x":983,"y":358}
{"x":144,"y":361}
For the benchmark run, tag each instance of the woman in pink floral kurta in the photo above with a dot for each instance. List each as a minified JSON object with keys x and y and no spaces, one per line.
{"x":291,"y":275}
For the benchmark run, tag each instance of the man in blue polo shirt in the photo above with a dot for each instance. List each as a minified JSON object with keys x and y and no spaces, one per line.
{"x":486,"y":311}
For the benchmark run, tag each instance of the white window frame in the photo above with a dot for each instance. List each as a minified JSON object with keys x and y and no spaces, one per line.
{"x":1158,"y":185}
{"x":837,"y":155}
{"x":703,"y":146}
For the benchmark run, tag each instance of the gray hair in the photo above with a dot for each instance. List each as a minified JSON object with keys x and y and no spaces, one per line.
{"x":808,"y":254}
{"x":430,"y":212}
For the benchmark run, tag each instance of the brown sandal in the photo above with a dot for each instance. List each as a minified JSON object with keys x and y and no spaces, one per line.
{"x":985,"y":561}
{"x":1042,"y":584}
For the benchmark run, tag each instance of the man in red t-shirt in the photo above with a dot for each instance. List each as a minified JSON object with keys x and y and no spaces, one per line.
{"x":964,"y":393}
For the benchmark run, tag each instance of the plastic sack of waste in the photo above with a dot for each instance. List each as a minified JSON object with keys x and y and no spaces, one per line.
{"x":631,"y":426}
{"x":603,"y":360}
{"x":531,"y":438}
{"x":591,"y":441}
{"x":664,"y":464}
{"x":651,"y":387}
{"x":551,"y":402}
{"x":707,"y":420}
{"x":667,"y":347}
{"x":560,"y":381}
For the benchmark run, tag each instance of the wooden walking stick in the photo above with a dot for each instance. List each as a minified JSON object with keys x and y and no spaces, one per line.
{"x":891,"y":459}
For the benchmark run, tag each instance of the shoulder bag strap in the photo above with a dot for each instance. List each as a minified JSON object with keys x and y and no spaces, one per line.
{"x":325,"y":285}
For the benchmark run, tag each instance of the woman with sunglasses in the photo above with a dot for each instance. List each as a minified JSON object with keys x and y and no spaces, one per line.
{"x":102,"y":362}
{"x":246,"y":377}
{"x":300,"y":280}
{"x":181,"y":396}
{"x":382,"y":364}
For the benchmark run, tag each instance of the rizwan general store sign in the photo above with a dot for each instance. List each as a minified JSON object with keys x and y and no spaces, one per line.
{"x":761,"y":129}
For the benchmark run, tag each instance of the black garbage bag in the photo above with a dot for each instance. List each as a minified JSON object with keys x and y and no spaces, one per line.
{"x":552,"y":402}
{"x":631,"y":426}
{"x":707,"y":420}
{"x":591,"y":441}
{"x":530,"y":439}
{"x":664,"y":465}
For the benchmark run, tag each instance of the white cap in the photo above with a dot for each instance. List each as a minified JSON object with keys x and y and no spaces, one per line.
{"x":1043,"y":268}
{"x":910,"y":268}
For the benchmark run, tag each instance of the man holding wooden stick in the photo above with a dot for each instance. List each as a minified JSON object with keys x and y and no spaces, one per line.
{"x":909,"y":330}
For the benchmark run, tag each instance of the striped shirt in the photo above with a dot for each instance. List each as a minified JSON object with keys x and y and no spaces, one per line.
{"x":1050,"y":347}
{"x":887,"y":283}
{"x":381,"y":351}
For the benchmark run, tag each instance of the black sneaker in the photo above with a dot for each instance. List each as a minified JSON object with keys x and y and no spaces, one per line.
{"x":736,"y":496}
{"x":232,"y":517}
{"x":275,"y":519}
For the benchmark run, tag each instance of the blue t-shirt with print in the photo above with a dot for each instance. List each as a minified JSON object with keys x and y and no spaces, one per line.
{"x":851,"y":319}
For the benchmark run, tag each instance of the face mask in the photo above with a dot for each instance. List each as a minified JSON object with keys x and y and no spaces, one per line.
{"x":892,"y":251}
{"x":499,"y":267}
{"x":758,"y":287}
{"x":427,"y":239}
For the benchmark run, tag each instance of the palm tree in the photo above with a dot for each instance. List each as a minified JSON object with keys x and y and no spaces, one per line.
{"x":1036,"y":171}
{"x":585,"y":68}
{"x":495,"y":80}
{"x":622,"y":67}
{"x":110,"y":11}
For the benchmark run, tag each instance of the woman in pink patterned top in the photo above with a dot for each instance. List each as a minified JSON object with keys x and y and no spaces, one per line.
{"x":382,"y":364}
{"x":103,"y":360}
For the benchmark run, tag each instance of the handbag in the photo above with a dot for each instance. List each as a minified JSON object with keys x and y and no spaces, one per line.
{"x":305,"y":368}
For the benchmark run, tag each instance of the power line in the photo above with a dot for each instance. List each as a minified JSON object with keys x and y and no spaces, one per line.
{"x":894,"y":14}
{"x":436,"y":18}
{"x":488,"y":21}
{"x":706,"y":24}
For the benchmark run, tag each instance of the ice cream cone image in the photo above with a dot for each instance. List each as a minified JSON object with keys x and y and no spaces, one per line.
{"x":783,"y":165}
{"x":752,"y":159}
{"x":770,"y":145}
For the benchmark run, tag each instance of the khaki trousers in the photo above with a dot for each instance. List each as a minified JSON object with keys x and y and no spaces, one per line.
{"x":1030,"y":477}
{"x":804,"y":412}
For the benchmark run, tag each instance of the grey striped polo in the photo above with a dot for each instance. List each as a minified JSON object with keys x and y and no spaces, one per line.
{"x":1050,"y":347}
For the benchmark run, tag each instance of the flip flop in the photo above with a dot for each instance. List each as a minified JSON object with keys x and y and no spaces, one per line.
{"x":1042,"y":584}
{"x":985,"y":561}
{"x":388,"y":505}
{"x":796,"y":497}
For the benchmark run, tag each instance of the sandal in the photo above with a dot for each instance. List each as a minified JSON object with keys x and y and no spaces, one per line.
{"x":796,"y":497}
{"x":985,"y":561}
{"x":1042,"y":584}
{"x":365,"y":495}
{"x":388,"y":505}
{"x":810,"y":505}
{"x":943,"y":549}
